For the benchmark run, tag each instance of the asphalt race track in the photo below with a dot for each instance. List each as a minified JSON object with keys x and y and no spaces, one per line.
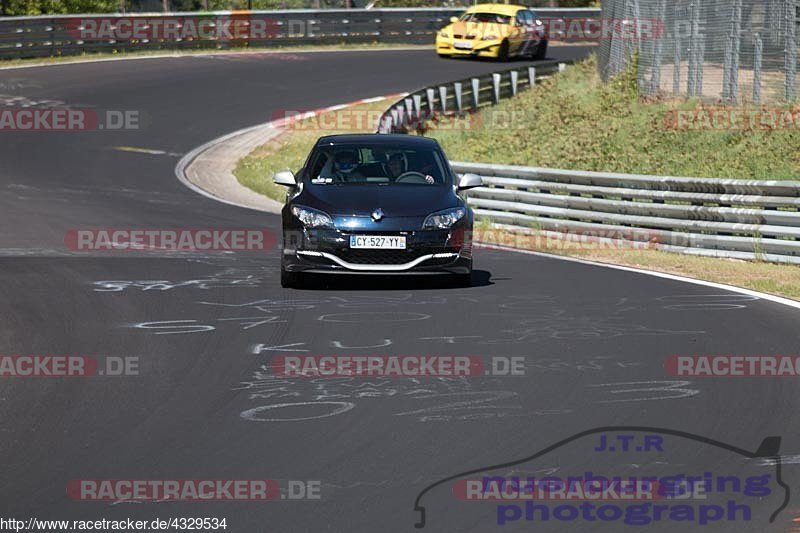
{"x":204,"y":327}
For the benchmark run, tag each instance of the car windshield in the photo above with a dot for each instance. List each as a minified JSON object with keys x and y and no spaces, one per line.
{"x":488,"y":18}
{"x":377,"y":164}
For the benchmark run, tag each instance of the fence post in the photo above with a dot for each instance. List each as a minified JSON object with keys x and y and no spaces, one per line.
{"x":691,"y":82}
{"x":726,"y":69}
{"x":790,"y":51}
{"x":676,"y":72}
{"x":658,"y":52}
{"x":737,"y":45}
{"x":759,"y":55}
{"x":443,"y":99}
{"x":514,"y":79}
{"x":476,"y":89}
{"x":531,"y":76}
{"x":457,"y":93}
{"x":701,"y":58}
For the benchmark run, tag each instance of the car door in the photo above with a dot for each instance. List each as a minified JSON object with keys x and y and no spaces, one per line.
{"x":517,"y":35}
{"x":528,"y":32}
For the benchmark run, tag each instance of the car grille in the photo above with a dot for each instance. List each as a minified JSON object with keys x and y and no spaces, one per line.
{"x":461,"y":36}
{"x":385,"y":257}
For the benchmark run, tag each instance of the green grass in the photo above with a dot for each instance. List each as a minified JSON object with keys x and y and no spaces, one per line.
{"x":573,"y":121}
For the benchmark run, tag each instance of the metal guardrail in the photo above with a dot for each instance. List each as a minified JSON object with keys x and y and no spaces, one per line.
{"x":741,"y":219}
{"x":458,"y":98}
{"x":45,"y":36}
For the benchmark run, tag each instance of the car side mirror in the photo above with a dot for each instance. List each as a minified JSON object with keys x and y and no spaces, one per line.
{"x":469,"y":181}
{"x":453,"y":19}
{"x":284,"y":177}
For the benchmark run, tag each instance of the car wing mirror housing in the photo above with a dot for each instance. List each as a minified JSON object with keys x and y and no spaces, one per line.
{"x":285,"y":177}
{"x":469,"y":181}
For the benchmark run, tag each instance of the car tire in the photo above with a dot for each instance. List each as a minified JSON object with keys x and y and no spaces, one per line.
{"x":502,"y":54}
{"x":290,"y":280}
{"x":541,"y":51}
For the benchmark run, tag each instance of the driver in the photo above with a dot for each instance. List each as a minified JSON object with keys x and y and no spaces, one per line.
{"x":396,"y":165}
{"x":345,"y":163}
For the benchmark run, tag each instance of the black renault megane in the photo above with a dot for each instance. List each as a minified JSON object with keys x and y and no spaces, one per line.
{"x":376,"y":204}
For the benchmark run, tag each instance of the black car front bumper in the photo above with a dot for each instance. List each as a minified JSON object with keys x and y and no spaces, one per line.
{"x":427,"y":252}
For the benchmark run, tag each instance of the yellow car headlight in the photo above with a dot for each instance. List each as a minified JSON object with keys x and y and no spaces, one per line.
{"x":490,"y":37}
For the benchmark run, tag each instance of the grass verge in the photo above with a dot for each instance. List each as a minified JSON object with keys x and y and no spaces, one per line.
{"x":780,"y":280}
{"x":575,"y":122}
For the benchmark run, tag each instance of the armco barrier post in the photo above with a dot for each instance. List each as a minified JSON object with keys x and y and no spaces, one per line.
{"x":532,"y":76}
{"x":429,"y":95}
{"x":457,"y":94}
{"x":401,"y":116}
{"x":496,"y":87}
{"x":514,"y":77}
{"x":476,"y":89}
{"x":443,"y":99}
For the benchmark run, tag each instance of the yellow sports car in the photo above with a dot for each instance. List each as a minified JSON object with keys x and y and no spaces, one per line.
{"x":500,"y":31}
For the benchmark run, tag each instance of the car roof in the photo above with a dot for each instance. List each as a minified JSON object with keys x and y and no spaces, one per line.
{"x":398,"y":140}
{"x":500,"y":9}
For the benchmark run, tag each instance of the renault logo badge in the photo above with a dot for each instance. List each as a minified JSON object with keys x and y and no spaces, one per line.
{"x":377,"y":214}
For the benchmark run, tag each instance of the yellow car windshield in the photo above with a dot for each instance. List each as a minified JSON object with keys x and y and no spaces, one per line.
{"x":486,"y":18}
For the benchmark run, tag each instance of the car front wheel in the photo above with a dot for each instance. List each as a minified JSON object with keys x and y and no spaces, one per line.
{"x":290,"y":280}
{"x":502,"y":54}
{"x":541,"y":51}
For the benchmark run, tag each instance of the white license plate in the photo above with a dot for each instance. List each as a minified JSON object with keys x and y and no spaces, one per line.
{"x":463,"y":45}
{"x":378,"y":242}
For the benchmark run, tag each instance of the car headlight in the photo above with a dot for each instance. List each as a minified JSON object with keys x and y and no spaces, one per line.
{"x":444,"y":34}
{"x":311,"y":218}
{"x":444,"y":219}
{"x":490,"y":37}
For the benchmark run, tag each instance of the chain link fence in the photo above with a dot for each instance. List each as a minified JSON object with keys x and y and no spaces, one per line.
{"x":742,"y":51}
